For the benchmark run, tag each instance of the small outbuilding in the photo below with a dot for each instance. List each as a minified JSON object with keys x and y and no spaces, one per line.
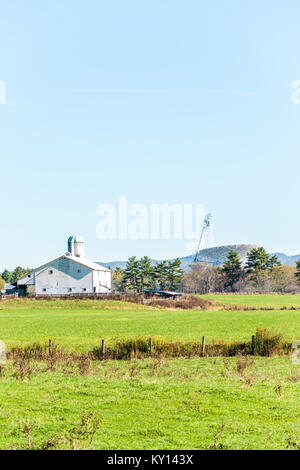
{"x":166,"y":294}
{"x":10,"y":289}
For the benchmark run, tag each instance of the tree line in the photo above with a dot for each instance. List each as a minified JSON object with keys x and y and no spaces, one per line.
{"x":9,"y":277}
{"x":259,"y":273}
{"x":141,"y":274}
{"x":12,"y":276}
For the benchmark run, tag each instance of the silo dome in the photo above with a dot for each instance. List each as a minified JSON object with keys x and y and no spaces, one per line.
{"x":76,"y":245}
{"x":78,"y":239}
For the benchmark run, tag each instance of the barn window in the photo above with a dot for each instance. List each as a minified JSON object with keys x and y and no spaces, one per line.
{"x":70,"y":290}
{"x":51,"y":271}
{"x":84,"y":289}
{"x":44,"y":290}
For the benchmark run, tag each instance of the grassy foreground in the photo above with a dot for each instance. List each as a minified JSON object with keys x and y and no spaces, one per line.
{"x":83,"y":323}
{"x":248,"y":403}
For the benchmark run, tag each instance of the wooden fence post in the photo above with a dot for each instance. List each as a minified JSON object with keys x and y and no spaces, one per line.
{"x":253,"y":345}
{"x":203,"y":345}
{"x":103,"y":349}
{"x":151,"y":345}
{"x":50,"y":347}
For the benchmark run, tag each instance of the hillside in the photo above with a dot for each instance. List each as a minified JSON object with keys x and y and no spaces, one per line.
{"x":216,"y":256}
{"x":289,"y":260}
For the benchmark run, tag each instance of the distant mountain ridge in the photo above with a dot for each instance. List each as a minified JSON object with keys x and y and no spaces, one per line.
{"x":286,"y":259}
{"x":215,"y":256}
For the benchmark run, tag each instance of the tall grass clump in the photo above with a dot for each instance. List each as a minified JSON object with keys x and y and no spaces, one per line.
{"x":187,"y":302}
{"x":268,"y":343}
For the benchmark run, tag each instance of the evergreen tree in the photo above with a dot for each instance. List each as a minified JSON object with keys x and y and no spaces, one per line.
{"x":131,"y":274}
{"x":146,"y":273}
{"x":258,"y":260}
{"x":161,"y":273}
{"x":175,"y":274}
{"x":232,"y":269}
{"x":273,"y":262}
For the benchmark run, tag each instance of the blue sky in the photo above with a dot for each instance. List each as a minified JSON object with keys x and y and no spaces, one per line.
{"x":162,"y":101}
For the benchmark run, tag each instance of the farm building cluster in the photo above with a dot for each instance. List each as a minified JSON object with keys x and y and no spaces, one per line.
{"x":68,"y":274}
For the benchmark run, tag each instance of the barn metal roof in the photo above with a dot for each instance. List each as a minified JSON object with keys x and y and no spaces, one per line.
{"x":84,"y":262}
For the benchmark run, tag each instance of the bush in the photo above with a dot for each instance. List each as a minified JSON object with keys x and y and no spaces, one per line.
{"x":267,"y":343}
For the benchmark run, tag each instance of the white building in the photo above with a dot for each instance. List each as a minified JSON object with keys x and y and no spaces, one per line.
{"x":69,"y":274}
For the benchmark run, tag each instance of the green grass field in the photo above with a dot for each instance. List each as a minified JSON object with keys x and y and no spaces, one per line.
{"x":258,"y":300}
{"x":83,"y":323}
{"x":194,"y":403}
{"x":145,"y":404}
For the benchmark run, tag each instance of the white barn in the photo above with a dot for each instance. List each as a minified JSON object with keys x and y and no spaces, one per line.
{"x":68,"y":274}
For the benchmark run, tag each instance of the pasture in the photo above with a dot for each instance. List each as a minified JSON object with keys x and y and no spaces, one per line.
{"x":82,"y":323}
{"x":258,"y":300}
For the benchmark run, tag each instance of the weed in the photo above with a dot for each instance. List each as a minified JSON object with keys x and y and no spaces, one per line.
{"x":84,"y":365}
{"x":2,"y":370}
{"x":217,"y":445}
{"x":27,"y":432}
{"x":278,"y":389}
{"x":22,"y":369}
{"x":242,"y":364}
{"x":79,"y":437}
{"x":293,"y":443}
{"x":134,"y":369}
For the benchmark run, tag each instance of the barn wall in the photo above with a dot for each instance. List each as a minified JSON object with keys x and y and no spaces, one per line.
{"x":102,"y":281}
{"x":67,"y":277}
